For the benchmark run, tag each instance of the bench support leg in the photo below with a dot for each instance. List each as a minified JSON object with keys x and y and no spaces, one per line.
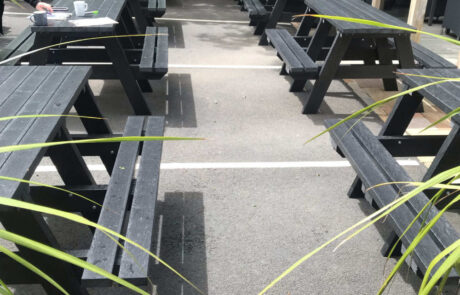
{"x":391,"y":240}
{"x":327,"y":73}
{"x":283,"y":71}
{"x":297,"y":85}
{"x":260,"y":27}
{"x":355,"y":191}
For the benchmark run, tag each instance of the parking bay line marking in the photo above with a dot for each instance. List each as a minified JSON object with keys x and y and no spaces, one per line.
{"x":239,"y":165}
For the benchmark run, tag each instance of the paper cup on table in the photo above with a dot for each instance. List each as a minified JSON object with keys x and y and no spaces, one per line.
{"x":80,"y":8}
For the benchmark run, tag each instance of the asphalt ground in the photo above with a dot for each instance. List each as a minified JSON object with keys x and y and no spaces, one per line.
{"x":240,"y":207}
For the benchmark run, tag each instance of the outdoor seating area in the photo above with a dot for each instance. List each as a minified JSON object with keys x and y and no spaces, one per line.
{"x":215,"y":146}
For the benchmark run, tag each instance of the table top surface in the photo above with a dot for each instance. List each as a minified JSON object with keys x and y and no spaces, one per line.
{"x":32,"y":90}
{"x":107,"y":8}
{"x":445,"y":96}
{"x":356,"y":9}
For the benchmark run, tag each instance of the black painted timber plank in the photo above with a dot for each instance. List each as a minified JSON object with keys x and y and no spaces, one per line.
{"x":55,"y":95}
{"x":161,"y":52}
{"x":103,"y":249}
{"x":142,"y":215}
{"x":375,"y":165}
{"x":356,"y":9}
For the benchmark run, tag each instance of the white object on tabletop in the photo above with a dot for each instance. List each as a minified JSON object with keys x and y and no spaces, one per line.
{"x":80,"y":7}
{"x":94,"y":21}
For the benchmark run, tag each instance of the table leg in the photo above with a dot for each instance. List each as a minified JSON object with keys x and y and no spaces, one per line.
{"x":86,"y":106}
{"x":306,"y":24}
{"x":41,"y":57}
{"x":127,"y":26}
{"x":273,"y":19}
{"x":122,"y":67}
{"x":384,"y":54}
{"x":327,"y":73}
{"x":396,"y":124}
{"x":33,"y":226}
{"x":404,"y":51}
{"x":69,"y":162}
{"x":401,"y":114}
{"x":314,"y":49}
{"x":448,"y":155}
{"x":142,"y":20}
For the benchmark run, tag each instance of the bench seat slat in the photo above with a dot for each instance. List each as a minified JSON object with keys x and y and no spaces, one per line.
{"x":103,"y":250}
{"x":142,"y":215}
{"x":298,"y":63}
{"x":156,"y":7}
{"x":154,"y":57}
{"x":375,"y":165}
{"x":255,"y":9}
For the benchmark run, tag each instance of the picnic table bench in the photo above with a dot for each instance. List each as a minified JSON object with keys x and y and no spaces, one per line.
{"x":336,"y":41}
{"x":30,"y":90}
{"x":133,"y":60}
{"x":375,"y":165}
{"x":372,"y":159}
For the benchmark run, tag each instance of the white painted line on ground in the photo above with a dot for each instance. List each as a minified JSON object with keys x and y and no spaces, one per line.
{"x":246,"y":67}
{"x":240,"y":165}
{"x":209,"y":20}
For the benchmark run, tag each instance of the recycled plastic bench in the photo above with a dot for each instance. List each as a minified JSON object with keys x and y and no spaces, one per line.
{"x":375,"y":165}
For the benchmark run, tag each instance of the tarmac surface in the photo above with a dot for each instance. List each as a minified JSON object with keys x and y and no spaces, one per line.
{"x":239,"y":208}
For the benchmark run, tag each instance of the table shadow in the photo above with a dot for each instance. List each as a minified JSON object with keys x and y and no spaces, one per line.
{"x":180,"y":241}
{"x":174,"y":99}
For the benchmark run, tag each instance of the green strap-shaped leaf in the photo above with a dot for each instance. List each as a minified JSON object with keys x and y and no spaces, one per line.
{"x":375,"y":105}
{"x":79,"y":219}
{"x":4,"y":290}
{"x":378,"y":24}
{"x":445,"y":117}
{"x":50,"y":251}
{"x":32,"y":268}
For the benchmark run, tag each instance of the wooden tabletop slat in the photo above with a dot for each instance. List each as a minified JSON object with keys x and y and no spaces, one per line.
{"x":356,"y":9}
{"x":39,"y":98}
{"x":107,"y":8}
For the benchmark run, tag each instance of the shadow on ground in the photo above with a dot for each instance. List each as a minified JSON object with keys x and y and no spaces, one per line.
{"x":181,"y":243}
{"x":174,"y":100}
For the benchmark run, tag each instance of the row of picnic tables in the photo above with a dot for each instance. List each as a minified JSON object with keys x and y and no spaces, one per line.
{"x":323,"y":50}
{"x":53,"y":82}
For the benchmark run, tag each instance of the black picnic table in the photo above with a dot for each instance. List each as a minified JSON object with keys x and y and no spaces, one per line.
{"x":352,"y":41}
{"x":133,"y":60}
{"x":43,"y":90}
{"x":128,"y":199}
